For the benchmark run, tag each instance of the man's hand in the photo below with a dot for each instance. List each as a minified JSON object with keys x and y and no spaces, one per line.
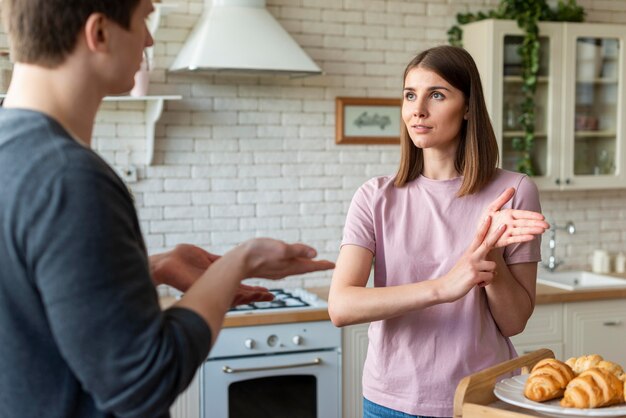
{"x":521,"y":225}
{"x":220,"y":287}
{"x":180,"y":267}
{"x":248,"y":294}
{"x":273,"y":259}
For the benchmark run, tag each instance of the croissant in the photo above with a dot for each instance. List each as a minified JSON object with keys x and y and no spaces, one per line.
{"x":547,"y":380}
{"x":582,"y":363}
{"x":611,"y":367}
{"x":593,"y":388}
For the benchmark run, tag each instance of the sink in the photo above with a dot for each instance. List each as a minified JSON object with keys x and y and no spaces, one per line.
{"x":580,"y":280}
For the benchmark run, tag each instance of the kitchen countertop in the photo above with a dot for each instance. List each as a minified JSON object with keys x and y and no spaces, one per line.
{"x":545,"y":295}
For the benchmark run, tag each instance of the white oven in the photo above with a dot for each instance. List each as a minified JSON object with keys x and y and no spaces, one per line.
{"x":290,"y":370}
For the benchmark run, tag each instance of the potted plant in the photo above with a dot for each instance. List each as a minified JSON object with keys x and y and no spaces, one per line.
{"x":527,"y":14}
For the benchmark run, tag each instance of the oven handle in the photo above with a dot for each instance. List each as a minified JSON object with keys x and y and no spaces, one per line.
{"x":316,"y":362}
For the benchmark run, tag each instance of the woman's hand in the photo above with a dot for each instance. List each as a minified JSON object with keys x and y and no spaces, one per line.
{"x":472,"y":269}
{"x":521,"y":225}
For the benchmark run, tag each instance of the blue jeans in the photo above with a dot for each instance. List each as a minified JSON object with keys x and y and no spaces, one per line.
{"x":373,"y":410}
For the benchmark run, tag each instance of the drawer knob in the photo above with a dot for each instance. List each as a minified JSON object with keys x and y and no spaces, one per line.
{"x":612,"y":323}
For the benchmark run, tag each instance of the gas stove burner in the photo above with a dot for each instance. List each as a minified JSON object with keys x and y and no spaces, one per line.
{"x":284,"y":299}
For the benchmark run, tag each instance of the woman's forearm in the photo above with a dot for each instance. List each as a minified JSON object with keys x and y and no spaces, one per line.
{"x":351,"y":305}
{"x":511,"y":295}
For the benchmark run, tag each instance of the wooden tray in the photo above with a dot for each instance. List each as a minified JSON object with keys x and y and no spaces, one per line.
{"x":474,"y":396}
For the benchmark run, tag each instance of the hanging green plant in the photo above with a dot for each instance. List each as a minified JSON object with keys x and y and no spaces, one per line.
{"x":527,"y":14}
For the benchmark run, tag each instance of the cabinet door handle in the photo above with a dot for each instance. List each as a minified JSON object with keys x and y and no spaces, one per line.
{"x":568,"y":181}
{"x":612,"y":323}
{"x":557,"y":181}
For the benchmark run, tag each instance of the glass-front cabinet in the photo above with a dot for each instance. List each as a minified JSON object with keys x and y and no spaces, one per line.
{"x":580,"y":136}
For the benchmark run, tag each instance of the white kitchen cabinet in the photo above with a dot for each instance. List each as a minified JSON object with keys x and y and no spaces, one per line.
{"x":543,"y":330}
{"x":577,"y":328}
{"x":596,"y":327}
{"x":580,"y":130}
{"x":354,"y":351}
{"x":556,"y":348}
{"x":187,"y":405}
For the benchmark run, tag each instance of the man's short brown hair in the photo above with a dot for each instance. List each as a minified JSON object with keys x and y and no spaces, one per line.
{"x":44,"y":32}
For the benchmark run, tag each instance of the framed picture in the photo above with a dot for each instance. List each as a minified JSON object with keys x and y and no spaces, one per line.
{"x":367,"y":120}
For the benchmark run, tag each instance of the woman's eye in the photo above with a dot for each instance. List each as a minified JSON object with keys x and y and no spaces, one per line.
{"x":409,"y":96}
{"x":437,"y":95}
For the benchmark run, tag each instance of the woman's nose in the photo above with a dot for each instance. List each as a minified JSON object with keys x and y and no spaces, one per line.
{"x":420,"y":110}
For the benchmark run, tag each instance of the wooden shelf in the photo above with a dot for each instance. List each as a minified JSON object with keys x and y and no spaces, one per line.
{"x":518,"y":79}
{"x":595,"y":134}
{"x":513,"y":134}
{"x":597,"y":81}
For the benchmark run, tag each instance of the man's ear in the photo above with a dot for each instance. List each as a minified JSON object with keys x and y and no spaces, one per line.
{"x":96,"y":32}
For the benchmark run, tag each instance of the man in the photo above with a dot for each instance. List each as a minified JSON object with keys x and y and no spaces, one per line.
{"x":81,"y":329}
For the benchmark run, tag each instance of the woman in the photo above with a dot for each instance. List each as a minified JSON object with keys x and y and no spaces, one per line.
{"x":444,"y":302}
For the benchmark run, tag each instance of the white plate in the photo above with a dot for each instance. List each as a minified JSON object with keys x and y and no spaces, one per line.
{"x":511,"y":391}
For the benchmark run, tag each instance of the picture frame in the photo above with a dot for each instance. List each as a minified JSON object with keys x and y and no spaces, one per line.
{"x":362,"y":120}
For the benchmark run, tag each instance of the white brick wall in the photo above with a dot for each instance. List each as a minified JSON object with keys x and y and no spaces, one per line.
{"x":246,"y":156}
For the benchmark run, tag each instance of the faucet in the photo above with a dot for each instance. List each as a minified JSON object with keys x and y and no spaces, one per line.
{"x":552,"y":263}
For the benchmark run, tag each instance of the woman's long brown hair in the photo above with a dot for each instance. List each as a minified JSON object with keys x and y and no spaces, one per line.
{"x":477,"y":152}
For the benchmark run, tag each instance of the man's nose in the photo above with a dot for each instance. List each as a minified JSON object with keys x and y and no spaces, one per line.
{"x":149,"y":39}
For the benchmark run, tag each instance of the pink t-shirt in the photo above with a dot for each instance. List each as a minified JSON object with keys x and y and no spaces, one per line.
{"x":418,"y":232}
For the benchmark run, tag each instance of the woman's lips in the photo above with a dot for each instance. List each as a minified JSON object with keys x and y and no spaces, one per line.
{"x":420,"y":129}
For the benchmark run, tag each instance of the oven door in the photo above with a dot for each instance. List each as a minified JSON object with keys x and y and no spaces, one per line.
{"x":303,"y":385}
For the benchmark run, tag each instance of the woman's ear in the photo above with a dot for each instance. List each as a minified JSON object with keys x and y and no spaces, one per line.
{"x":466,"y":115}
{"x":96,"y":32}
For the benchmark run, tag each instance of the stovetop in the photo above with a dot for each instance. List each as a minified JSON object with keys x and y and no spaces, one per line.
{"x":284,"y":300}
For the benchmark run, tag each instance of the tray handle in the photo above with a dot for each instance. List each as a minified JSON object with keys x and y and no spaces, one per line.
{"x":477,"y":388}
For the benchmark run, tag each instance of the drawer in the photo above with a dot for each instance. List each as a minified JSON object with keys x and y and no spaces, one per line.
{"x":557,"y":349}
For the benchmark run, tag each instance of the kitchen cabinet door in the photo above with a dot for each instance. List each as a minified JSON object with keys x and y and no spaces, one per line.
{"x":543,"y":330}
{"x":596,"y":327}
{"x":556,"y":348}
{"x":579,"y":102}
{"x":187,"y":405}
{"x":354,"y":346}
{"x":593,"y":121}
{"x":544,"y":326}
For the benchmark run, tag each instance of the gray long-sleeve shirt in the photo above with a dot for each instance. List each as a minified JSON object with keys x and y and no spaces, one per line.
{"x":81,"y":331}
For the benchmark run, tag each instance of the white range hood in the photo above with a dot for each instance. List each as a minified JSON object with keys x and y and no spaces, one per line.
{"x":242,"y":36}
